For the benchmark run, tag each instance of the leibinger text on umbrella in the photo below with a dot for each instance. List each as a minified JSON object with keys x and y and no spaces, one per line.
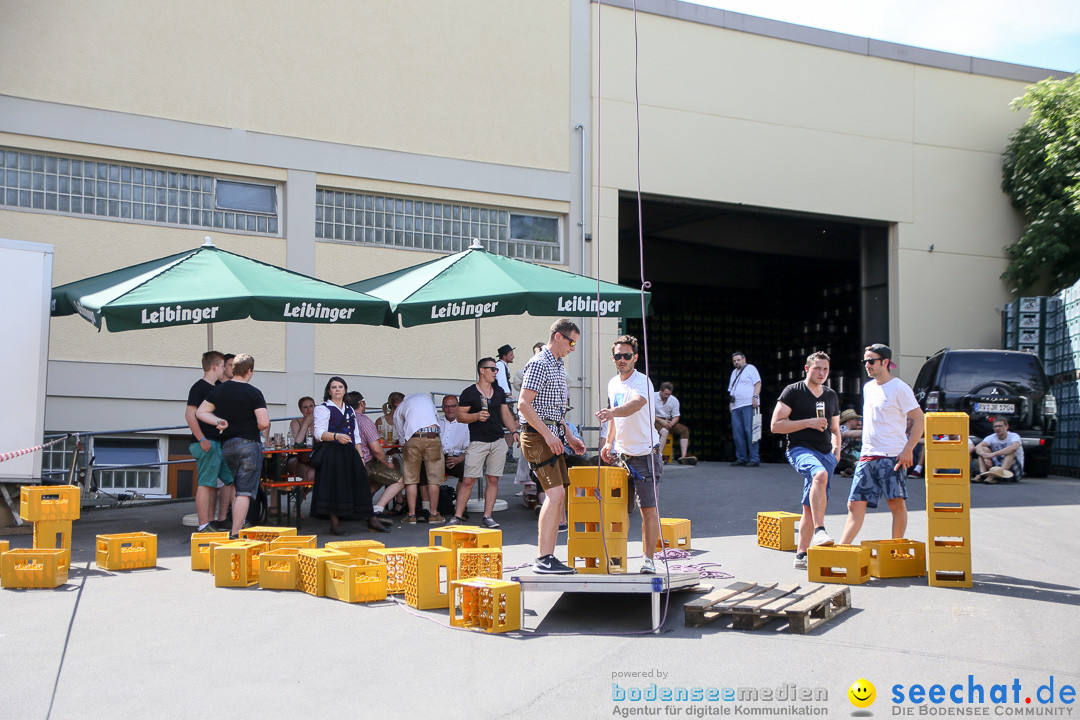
{"x":169,"y":314}
{"x":578,"y":304}
{"x":318,"y":311}
{"x":462,"y":309}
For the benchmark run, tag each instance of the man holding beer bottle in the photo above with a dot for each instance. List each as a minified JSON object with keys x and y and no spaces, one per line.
{"x":809,"y":414}
{"x":483,"y":408}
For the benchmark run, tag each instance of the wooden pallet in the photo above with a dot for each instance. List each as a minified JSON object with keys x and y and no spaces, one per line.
{"x":752,"y":605}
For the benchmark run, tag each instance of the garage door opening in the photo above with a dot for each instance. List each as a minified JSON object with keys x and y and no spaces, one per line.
{"x":774,"y":286}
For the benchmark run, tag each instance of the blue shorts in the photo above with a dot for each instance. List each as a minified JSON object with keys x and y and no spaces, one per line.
{"x":244,"y":458}
{"x":808,"y":463}
{"x":877,"y":477}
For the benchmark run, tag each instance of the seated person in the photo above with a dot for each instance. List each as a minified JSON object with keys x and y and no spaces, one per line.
{"x":381,"y":473}
{"x":385,"y":422}
{"x":668,"y":413}
{"x":1001,"y":449}
{"x":302,"y":428}
{"x":851,"y":442}
{"x":454,"y":436}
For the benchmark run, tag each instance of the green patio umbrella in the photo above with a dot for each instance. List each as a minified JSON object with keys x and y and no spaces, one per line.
{"x":474,"y":284}
{"x":209,"y":285}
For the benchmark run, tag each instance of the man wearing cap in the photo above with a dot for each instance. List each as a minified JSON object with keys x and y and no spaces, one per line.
{"x":889,"y":406}
{"x":851,"y":442}
{"x":502,"y":374}
{"x":809,"y":414}
{"x":1003,"y":450}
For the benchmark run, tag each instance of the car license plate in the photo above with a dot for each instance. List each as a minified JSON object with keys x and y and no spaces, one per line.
{"x":982,"y":407}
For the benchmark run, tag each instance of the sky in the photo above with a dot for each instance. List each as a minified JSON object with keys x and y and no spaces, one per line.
{"x":1041,"y":33}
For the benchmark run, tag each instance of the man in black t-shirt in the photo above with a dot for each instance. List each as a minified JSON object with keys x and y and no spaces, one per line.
{"x":809,"y":414}
{"x":483,"y":408}
{"x":238,"y":410}
{"x":205,"y":444}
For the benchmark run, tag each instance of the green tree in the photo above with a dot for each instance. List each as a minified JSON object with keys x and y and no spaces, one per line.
{"x":1041,"y":175}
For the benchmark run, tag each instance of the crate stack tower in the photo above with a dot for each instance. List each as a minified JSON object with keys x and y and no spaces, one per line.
{"x":598,"y":519}
{"x":52,"y":509}
{"x":948,"y":500}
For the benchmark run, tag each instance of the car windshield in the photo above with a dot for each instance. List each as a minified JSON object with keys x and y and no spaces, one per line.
{"x":968,"y":371}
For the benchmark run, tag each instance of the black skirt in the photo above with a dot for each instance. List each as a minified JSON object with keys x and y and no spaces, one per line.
{"x":341,"y":484}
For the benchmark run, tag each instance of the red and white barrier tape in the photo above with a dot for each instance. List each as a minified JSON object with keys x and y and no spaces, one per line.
{"x":27,"y":451}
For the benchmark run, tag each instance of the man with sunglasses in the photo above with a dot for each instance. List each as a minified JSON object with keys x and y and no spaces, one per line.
{"x":889,"y":407}
{"x":482,"y":406}
{"x":632,"y":440}
{"x":542,"y":404}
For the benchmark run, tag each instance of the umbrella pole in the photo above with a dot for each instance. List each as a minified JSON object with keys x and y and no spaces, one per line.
{"x":209,"y":336}
{"x":476,"y":335}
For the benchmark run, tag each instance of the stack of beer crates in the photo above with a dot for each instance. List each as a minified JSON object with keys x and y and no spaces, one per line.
{"x":598,"y":519}
{"x":948,"y":500}
{"x":52,"y":509}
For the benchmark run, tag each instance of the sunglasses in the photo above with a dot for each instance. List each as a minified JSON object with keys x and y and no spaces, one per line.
{"x":488,"y":367}
{"x":623,"y":356}
{"x":871,"y":361}
{"x":573,"y":343}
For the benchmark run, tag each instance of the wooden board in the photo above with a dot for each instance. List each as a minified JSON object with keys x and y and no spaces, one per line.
{"x":752,"y":605}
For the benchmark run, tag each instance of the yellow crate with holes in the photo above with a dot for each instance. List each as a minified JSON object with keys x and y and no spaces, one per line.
{"x":40,"y":568}
{"x":127,"y":551}
{"x":200,"y":548}
{"x":4,"y":546}
{"x":597,"y":556}
{"x":590,"y":484}
{"x":443,"y":536}
{"x":279,"y":569}
{"x":846,"y":564}
{"x":355,"y":580}
{"x":674,"y":533}
{"x":948,"y":534}
{"x":895,"y":558}
{"x":49,"y":503}
{"x":776,"y":529}
{"x":394,"y":559}
{"x":266,"y":534}
{"x":355,"y":548}
{"x":313,"y":569}
{"x":236,"y":564}
{"x":295,"y":541}
{"x":427,"y":572}
{"x":947,"y":501}
{"x":458,"y":537}
{"x":478,"y":562}
{"x":215,"y":544}
{"x":946,"y":448}
{"x":949,"y":569}
{"x":596,"y":520}
{"x":486,"y":604}
{"x":52,"y":534}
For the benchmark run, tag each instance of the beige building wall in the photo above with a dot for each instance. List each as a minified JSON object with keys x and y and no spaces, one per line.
{"x":741,"y":118}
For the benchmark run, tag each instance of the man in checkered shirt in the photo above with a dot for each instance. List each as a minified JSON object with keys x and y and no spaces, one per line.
{"x":542,"y":406}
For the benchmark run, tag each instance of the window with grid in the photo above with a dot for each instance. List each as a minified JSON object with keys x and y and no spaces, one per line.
{"x":128,"y":451}
{"x":56,"y":460}
{"x":417,"y":224}
{"x":134,"y":193}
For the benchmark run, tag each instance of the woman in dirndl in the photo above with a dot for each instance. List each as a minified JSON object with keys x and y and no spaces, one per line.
{"x":341,"y":484}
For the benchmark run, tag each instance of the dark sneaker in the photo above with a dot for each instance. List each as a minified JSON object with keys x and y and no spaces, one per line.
{"x":207,"y":528}
{"x":738,"y":463}
{"x":221,"y":525}
{"x":455,"y":520}
{"x":752,"y":464}
{"x":563,"y":527}
{"x":486,"y":522}
{"x":550,"y":565}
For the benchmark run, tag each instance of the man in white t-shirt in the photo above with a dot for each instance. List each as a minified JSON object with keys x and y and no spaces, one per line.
{"x":889,"y":409}
{"x":668,"y":414}
{"x":632,"y":440}
{"x":1002,"y":449}
{"x":744,"y":387}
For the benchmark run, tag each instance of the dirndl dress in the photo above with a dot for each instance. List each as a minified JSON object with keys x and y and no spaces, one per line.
{"x":341,"y":480}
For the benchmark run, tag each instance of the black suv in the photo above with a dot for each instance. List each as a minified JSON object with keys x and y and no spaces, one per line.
{"x":987,"y":383}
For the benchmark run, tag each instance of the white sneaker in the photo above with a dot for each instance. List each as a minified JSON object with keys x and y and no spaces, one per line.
{"x":648,"y":567}
{"x":800,"y":562}
{"x":821,"y":538}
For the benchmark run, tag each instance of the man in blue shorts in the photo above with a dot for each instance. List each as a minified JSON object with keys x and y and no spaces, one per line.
{"x":809,"y":414}
{"x":892,"y":426}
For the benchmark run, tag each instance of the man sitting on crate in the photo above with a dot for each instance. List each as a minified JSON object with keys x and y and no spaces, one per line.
{"x":633,"y":441}
{"x":1002,"y":449}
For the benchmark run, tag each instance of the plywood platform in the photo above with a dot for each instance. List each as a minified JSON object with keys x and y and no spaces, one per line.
{"x":656,"y":585}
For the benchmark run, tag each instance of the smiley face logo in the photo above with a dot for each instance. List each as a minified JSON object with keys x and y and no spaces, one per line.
{"x":862,"y":693}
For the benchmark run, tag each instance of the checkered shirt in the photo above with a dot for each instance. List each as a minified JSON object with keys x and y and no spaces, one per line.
{"x":546,"y":374}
